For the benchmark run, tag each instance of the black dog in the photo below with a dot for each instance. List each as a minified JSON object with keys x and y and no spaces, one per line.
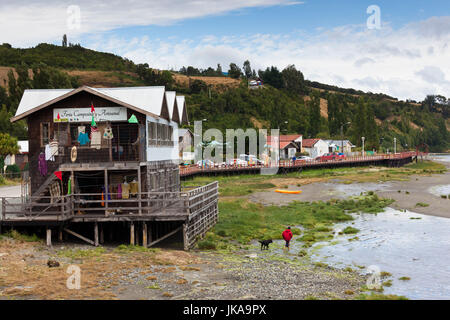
{"x":265,"y":244}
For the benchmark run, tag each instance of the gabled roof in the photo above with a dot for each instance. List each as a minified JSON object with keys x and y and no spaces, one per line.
{"x":147,"y":100}
{"x":182,"y":107}
{"x":309,"y":143}
{"x":288,"y":137}
{"x":182,"y":132}
{"x":282,"y":144}
{"x":339,"y":142}
{"x":173,"y":106}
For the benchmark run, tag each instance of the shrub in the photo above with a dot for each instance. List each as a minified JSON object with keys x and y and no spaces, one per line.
{"x":13,"y":171}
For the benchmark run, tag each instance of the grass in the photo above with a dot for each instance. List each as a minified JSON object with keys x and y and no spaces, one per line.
{"x":81,"y":253}
{"x":379,"y":296}
{"x":404,"y":278}
{"x":242,"y":221}
{"x":350,"y":230}
{"x":14,"y":234}
{"x":422,"y":204}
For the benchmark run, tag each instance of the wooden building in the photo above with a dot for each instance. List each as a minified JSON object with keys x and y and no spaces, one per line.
{"x":102,"y":156}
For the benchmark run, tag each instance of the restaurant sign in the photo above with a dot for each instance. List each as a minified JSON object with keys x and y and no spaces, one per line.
{"x":85,"y":115}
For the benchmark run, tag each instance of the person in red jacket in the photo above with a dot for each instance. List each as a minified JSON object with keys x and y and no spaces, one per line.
{"x":287,"y":236}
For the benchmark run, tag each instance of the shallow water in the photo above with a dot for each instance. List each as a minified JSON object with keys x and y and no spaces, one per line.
{"x":392,"y":241}
{"x":440,"y":190}
{"x":440,"y":157}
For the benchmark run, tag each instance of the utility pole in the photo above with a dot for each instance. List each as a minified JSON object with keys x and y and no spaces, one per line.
{"x":362,"y":152}
{"x":395,"y":145}
{"x":342,"y":135}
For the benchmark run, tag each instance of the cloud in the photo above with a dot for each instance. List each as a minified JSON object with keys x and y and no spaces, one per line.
{"x":432,"y":74}
{"x":45,"y":21}
{"x":360,"y":62}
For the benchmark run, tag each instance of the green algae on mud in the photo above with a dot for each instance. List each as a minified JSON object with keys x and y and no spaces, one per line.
{"x":242,"y":221}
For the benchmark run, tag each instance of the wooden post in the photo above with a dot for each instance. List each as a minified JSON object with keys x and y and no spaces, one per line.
{"x":106,"y":189}
{"x":60,"y":234}
{"x":185,"y":237}
{"x":49,"y":237}
{"x":96,"y":234}
{"x":132,"y":233}
{"x":139,"y":190}
{"x":102,"y":235}
{"x":149,"y":236}
{"x":144,"y":235}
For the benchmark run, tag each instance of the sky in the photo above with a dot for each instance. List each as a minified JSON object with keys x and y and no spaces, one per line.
{"x":400,"y":48}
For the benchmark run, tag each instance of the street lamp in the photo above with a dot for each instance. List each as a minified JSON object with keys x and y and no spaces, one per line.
{"x":342,"y":135}
{"x":362,"y":152}
{"x":395,"y":145}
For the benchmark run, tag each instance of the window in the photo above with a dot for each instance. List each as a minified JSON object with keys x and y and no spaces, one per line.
{"x":45,"y":133}
{"x":160,"y":134}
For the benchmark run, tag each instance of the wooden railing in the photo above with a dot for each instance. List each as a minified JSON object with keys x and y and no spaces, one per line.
{"x":183,"y":204}
{"x":193,"y":169}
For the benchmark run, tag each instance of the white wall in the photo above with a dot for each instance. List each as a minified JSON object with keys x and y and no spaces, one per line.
{"x":158,"y":153}
{"x":319,"y":149}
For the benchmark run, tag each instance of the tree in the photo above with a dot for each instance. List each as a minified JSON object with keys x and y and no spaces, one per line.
{"x":234,"y":71}
{"x":8,"y":145}
{"x":64,"y":41}
{"x":272,"y":76}
{"x":314,"y":115}
{"x":293,"y":80}
{"x":219,"y":70}
{"x":247,"y":69}
{"x":198,"y":86}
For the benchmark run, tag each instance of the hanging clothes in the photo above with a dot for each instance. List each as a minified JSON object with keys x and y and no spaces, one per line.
{"x":48,"y":153}
{"x":69,"y":187}
{"x":81,"y":129}
{"x":108,"y":133}
{"x":54,"y":148}
{"x":134,"y":187}
{"x":83,"y":138}
{"x":42,"y":164}
{"x":125,"y":190}
{"x":55,"y":191}
{"x":96,"y":138}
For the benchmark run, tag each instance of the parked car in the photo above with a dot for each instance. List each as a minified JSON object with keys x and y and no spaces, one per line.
{"x":205,"y":163}
{"x":304,"y":158}
{"x":251,"y":159}
{"x":237,"y":162}
{"x":330,"y":156}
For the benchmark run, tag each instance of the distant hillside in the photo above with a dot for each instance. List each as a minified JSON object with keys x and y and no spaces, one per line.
{"x":311,"y":108}
{"x":70,"y":58}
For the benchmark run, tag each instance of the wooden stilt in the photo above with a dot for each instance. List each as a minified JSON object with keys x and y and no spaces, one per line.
{"x":102,"y":235}
{"x":185,"y":237}
{"x":132,"y":234}
{"x":166,"y":236}
{"x":60,"y":234}
{"x":49,"y":237}
{"x":144,"y":234}
{"x":149,"y":237}
{"x":79,"y":236}
{"x":96,"y":234}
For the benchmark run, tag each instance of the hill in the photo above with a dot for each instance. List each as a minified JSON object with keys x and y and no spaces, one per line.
{"x":311,"y":108}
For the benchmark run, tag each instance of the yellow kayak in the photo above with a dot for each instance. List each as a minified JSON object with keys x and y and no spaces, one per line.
{"x":289,"y":191}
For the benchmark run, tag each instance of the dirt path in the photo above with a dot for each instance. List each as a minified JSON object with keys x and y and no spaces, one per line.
{"x":109,"y":273}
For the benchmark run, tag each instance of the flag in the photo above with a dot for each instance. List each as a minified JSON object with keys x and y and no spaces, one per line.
{"x":93,"y":124}
{"x":92,"y":107}
{"x":58,"y":174}
{"x":58,"y":117}
{"x":133,"y":119}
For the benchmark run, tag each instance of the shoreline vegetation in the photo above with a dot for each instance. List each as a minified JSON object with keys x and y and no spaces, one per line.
{"x":226,"y":252}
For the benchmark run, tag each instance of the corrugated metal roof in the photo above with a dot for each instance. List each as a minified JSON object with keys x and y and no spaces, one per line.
{"x":35,"y":97}
{"x":182,"y":109}
{"x":170,"y":97}
{"x":147,"y":99}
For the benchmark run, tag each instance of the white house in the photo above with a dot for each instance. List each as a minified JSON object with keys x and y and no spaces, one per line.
{"x":314,"y":147}
{"x":344,"y":146}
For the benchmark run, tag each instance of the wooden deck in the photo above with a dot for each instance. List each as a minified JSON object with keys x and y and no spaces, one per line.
{"x":290,"y":166}
{"x":145,"y":206}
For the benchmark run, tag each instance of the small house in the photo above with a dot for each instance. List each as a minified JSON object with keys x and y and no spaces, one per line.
{"x":314,"y":147}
